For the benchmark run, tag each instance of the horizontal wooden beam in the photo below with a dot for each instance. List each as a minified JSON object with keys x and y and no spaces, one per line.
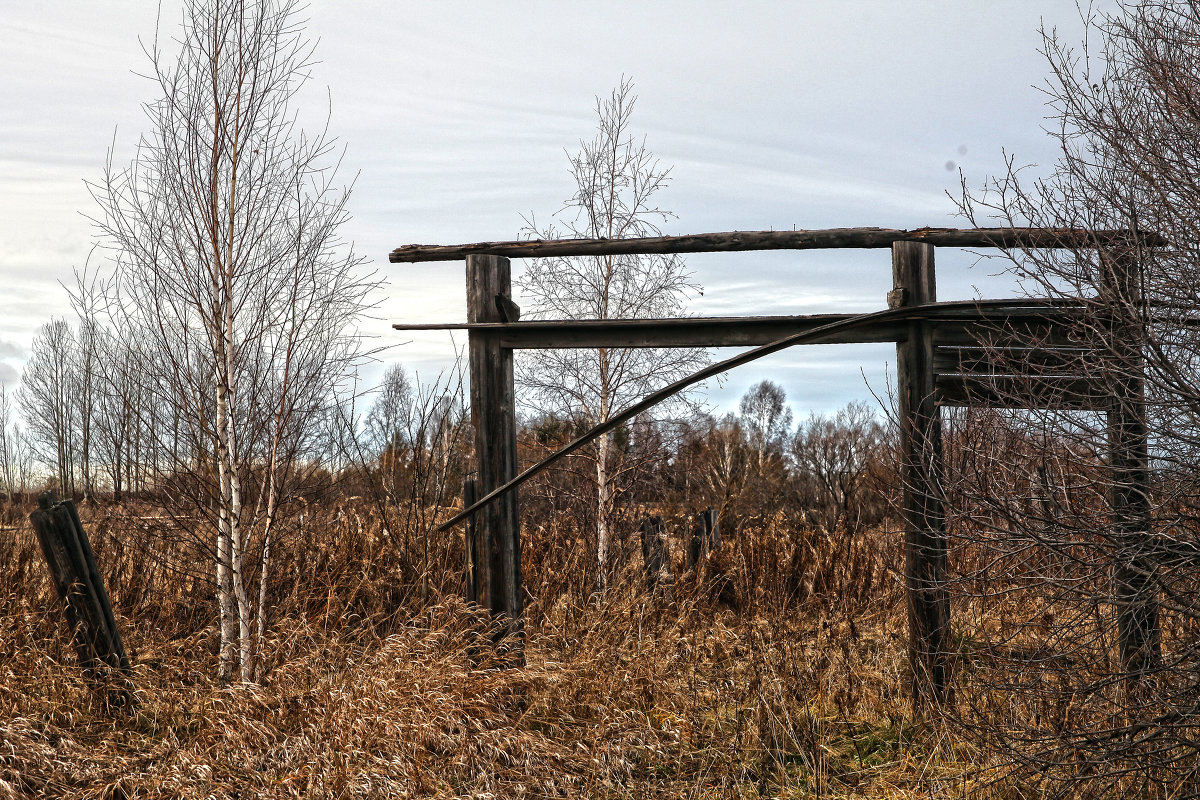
{"x":957,"y":323}
{"x":1023,"y":391}
{"x":1015,"y":360}
{"x":831,"y":238}
{"x":686,"y":332}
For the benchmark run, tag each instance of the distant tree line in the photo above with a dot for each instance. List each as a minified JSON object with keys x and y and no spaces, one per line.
{"x":88,"y":419}
{"x":407,"y":450}
{"x":829,"y":472}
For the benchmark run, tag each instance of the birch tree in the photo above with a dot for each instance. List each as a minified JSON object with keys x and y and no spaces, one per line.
{"x":15,"y":460}
{"x":617,"y":181}
{"x":45,"y":396}
{"x":224,"y":235}
{"x":766,"y":418}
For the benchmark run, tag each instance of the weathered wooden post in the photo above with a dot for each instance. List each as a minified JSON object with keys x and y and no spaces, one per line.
{"x":497,"y":551}
{"x":712,"y":529}
{"x":696,"y":543}
{"x":693,"y":544}
{"x":86,"y":606}
{"x":925,"y":549}
{"x":656,"y":561}
{"x":1134,"y":582}
{"x":705,"y":537}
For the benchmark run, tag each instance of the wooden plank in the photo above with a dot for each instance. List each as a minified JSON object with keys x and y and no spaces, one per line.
{"x":1013,"y":360}
{"x":925,"y":546}
{"x":732,"y":241}
{"x":498,"y":583}
{"x":685,"y":332}
{"x":956,"y":324}
{"x":1069,"y":392}
{"x":1019,"y":333}
{"x":696,"y":332}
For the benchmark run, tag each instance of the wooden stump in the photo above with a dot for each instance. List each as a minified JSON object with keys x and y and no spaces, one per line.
{"x":656,"y":559}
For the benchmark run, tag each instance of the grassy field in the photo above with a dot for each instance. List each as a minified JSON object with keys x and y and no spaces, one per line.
{"x":383,"y":687}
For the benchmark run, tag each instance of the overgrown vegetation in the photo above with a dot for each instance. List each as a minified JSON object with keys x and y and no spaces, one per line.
{"x":776,"y":666}
{"x":778,"y":670}
{"x":742,"y":688}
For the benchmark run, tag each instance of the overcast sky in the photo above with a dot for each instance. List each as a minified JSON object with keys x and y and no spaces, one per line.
{"x":456,"y":116}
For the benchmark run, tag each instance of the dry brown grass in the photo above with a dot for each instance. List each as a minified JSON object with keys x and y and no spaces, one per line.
{"x":375,"y":693}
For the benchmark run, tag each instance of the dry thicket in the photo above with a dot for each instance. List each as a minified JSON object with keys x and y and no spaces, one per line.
{"x":1085,"y":520}
{"x":778,"y":667}
{"x":778,"y":670}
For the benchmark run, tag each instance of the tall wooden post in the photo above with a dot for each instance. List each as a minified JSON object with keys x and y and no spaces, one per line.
{"x":497,"y":545}
{"x":1134,"y":583}
{"x":925,"y":553}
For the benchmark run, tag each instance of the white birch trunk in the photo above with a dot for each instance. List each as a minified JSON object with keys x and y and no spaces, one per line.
{"x":264,"y":569}
{"x":245,"y":633}
{"x":603,"y":448}
{"x":603,"y":500}
{"x":226,"y":604}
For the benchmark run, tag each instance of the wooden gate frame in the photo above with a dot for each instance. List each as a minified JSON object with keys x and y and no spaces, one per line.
{"x":944,"y":357}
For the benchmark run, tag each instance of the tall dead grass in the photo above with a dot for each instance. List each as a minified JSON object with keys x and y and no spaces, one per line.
{"x":780,"y":672}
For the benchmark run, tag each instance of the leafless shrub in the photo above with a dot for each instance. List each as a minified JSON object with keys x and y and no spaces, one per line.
{"x":408,"y":458}
{"x":1077,"y":535}
{"x":836,"y":459}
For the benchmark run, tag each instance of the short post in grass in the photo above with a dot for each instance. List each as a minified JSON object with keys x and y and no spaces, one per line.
{"x":656,"y":560}
{"x":85,"y":602}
